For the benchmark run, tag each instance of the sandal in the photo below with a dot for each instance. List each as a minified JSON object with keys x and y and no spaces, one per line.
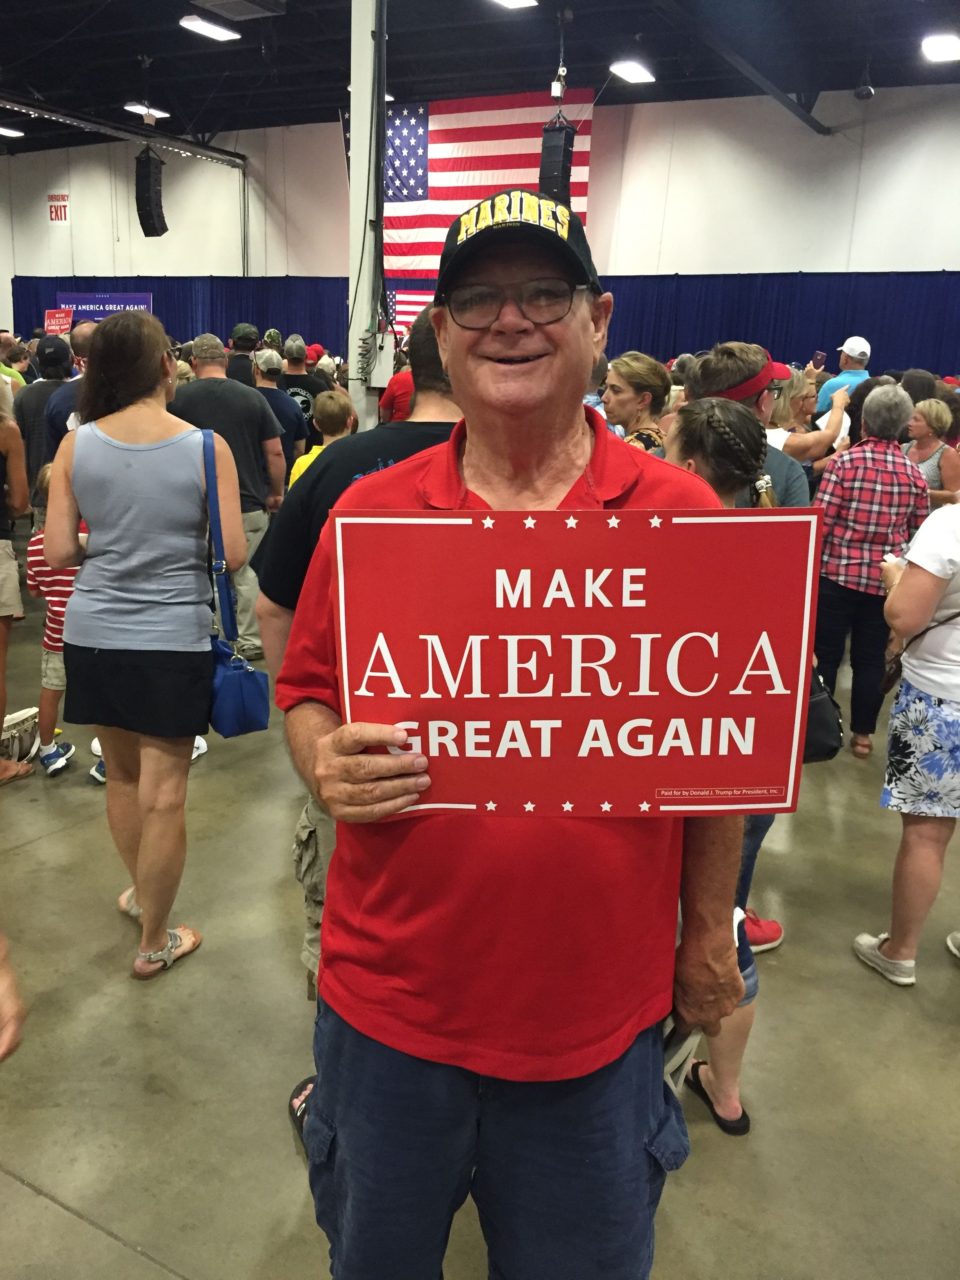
{"x":861,"y":744}
{"x":181,"y":942}
{"x":297,"y":1106}
{"x":22,"y":770}
{"x":127,"y":903}
{"x":735,"y":1128}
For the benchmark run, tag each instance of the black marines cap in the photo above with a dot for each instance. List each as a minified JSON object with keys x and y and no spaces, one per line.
{"x":542,"y":219}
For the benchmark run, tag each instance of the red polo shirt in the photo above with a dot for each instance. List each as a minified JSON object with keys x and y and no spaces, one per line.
{"x":522,"y":951}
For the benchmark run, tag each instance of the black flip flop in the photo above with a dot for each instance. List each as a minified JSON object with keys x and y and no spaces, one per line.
{"x":735,"y":1128}
{"x":298,"y":1114}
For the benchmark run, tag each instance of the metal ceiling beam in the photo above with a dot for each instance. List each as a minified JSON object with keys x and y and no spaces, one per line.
{"x":707,"y":36}
{"x":90,"y":124}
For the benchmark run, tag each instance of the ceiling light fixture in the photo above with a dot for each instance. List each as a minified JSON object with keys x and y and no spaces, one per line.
{"x":632,"y":71}
{"x":11,"y":133}
{"x":941,"y":48}
{"x":517,"y":4}
{"x":213,"y":30}
{"x":141,"y":109}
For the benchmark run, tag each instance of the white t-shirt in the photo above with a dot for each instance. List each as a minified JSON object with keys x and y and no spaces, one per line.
{"x":933,"y":663}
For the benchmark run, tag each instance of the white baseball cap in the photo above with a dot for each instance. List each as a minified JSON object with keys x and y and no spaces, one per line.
{"x":856,"y":348}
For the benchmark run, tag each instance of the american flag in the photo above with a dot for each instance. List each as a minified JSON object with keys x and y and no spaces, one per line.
{"x":405,"y":305}
{"x":441,"y":157}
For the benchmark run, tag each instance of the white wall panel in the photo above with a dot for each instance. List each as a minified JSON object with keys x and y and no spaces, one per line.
{"x":728,"y":186}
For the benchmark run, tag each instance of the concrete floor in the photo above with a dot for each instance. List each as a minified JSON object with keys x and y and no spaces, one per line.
{"x":143,"y":1131}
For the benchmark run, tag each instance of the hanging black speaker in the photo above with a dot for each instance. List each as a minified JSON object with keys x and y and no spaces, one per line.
{"x":149,"y":195}
{"x":556,"y":159}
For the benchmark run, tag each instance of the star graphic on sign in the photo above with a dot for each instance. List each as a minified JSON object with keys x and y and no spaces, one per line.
{"x":529,"y":807}
{"x":571,"y":522}
{"x":614,"y":522}
{"x":606,"y":806}
{"x":491,"y":806}
{"x":567,"y":807}
{"x":529,"y":523}
{"x":488,"y":522}
{"x":645,"y":806}
{"x":655,"y":522}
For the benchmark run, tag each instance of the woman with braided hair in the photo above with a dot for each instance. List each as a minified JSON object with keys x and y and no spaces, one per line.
{"x":725,"y":444}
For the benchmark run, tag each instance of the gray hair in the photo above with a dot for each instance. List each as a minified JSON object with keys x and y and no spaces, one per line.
{"x":886,"y":411}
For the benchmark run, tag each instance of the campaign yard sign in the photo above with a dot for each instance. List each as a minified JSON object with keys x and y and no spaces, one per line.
{"x":58,"y":321}
{"x":587,"y":663}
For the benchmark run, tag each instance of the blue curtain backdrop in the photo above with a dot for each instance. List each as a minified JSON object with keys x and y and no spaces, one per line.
{"x":911,"y":318}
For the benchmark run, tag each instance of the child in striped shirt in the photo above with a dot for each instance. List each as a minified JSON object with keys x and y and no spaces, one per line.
{"x":55,"y":587}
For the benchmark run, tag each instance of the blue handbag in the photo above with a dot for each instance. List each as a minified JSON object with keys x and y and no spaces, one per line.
{"x":240,"y":701}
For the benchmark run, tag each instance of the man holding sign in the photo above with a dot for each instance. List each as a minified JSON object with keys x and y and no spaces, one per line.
{"x":492,"y":983}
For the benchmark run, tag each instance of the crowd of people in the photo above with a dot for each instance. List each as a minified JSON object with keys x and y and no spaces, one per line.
{"x":506,"y":400}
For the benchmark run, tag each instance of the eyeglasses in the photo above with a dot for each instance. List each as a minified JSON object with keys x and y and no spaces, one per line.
{"x":775,"y":389}
{"x":477,"y":306}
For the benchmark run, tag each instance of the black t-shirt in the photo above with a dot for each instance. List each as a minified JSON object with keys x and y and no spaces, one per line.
{"x":30,"y":410}
{"x":296,"y":528}
{"x":58,"y":409}
{"x":287,"y":413}
{"x":245,"y":421}
{"x":240,"y":368}
{"x":304,"y":388}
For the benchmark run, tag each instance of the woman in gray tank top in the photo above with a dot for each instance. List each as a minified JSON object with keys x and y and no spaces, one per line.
{"x":137,"y":627}
{"x":926,"y":447}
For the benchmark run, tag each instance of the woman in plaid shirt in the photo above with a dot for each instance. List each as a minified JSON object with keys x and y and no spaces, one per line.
{"x":873,"y":502}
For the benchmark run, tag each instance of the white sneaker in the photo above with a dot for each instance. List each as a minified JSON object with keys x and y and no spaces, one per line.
{"x":866,"y":947}
{"x":95,"y":747}
{"x":200,"y":748}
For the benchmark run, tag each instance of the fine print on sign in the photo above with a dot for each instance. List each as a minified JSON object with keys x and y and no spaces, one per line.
{"x":585,"y":663}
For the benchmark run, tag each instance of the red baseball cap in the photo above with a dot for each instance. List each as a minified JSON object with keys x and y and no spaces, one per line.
{"x":315,"y":350}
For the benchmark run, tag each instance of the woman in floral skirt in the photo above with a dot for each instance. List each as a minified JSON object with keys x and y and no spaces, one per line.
{"x":923,"y":767}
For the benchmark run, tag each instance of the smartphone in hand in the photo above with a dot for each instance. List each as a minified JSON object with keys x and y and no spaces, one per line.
{"x":819,"y":359}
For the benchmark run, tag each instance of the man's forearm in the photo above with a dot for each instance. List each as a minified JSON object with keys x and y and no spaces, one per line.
{"x":275,"y":623}
{"x":305,"y":725}
{"x":711,"y":865}
{"x":277,"y":471}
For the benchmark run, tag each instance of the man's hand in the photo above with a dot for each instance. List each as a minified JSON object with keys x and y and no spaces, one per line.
{"x":274,"y":502}
{"x":707,"y":985}
{"x":356,"y":787}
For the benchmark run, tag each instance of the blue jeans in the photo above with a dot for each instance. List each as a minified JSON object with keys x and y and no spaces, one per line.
{"x":755,"y":830}
{"x":566,"y":1175}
